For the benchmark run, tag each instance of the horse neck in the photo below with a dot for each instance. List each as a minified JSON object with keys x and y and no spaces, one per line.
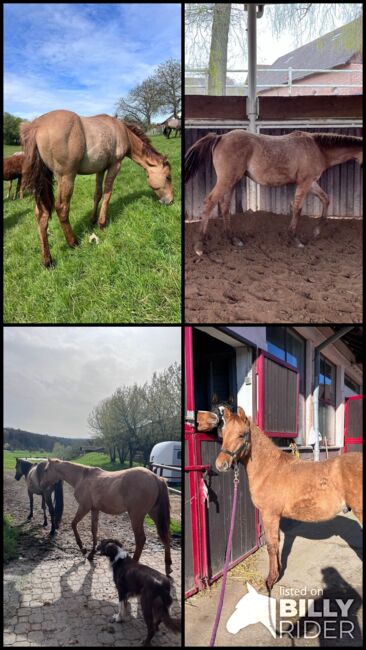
{"x":263,"y":452}
{"x":69,"y":472}
{"x":26,"y":465}
{"x":338,"y":155}
{"x":139,"y":152}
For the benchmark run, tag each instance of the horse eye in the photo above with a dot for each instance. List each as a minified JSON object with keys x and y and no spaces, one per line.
{"x":169,"y":177}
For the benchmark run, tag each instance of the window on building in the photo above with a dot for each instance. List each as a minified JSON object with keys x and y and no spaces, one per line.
{"x":327,"y":399}
{"x":287,"y":345}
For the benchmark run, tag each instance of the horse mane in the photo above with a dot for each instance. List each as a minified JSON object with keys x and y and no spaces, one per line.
{"x":329,"y":140}
{"x":147,"y":148}
{"x":40,"y":470}
{"x":267,"y":447}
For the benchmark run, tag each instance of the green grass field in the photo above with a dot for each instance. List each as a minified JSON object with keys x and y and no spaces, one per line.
{"x":132,"y":276}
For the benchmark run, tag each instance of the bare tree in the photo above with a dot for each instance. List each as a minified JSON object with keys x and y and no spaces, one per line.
{"x":169,"y":80}
{"x":141,"y":104}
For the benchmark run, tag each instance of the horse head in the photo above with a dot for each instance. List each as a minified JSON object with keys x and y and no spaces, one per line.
{"x":159,"y":178}
{"x":235,"y":427}
{"x":18,"y":469}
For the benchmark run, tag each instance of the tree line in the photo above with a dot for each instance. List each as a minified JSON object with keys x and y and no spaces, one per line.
{"x":136,"y":417}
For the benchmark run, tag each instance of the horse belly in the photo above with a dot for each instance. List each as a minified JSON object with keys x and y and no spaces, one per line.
{"x":314,"y":508}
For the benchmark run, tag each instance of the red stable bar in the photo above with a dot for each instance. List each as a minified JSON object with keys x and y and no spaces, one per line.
{"x":350,"y":441}
{"x":259,"y":365}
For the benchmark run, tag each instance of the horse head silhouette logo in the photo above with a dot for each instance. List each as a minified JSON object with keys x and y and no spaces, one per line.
{"x":253,"y":608}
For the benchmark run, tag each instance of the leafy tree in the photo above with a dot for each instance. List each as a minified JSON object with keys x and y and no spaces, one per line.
{"x":58,"y":450}
{"x":11,"y":129}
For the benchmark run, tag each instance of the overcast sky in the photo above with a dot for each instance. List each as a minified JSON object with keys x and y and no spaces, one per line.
{"x":83,"y":57}
{"x":55,"y":376}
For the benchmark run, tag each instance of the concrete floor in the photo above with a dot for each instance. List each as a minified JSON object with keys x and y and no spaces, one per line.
{"x":323,"y":560}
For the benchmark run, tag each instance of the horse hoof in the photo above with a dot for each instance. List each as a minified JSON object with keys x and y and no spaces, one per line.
{"x":198,"y":249}
{"x":236,"y":241}
{"x":101,"y":226}
{"x":52,"y":533}
{"x":48,"y":263}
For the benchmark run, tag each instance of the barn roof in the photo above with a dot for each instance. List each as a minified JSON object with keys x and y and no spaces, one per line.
{"x":353,"y":340}
{"x":325,"y":52}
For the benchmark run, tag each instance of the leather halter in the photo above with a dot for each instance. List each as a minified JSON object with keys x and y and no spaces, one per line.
{"x":244,"y":447}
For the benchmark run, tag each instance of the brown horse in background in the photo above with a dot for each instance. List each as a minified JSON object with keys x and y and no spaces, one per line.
{"x":173,"y":124}
{"x":297,"y":157}
{"x":137,"y":491}
{"x":282,"y":485}
{"x":63,"y":144}
{"x":33,"y":474}
{"x":13,"y":167}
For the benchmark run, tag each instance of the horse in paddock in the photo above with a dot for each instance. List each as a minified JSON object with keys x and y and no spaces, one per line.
{"x":297,"y":157}
{"x":33,"y":473}
{"x":137,"y":491}
{"x":173,"y":124}
{"x":282,"y":485}
{"x":63,"y":144}
{"x":13,"y":167}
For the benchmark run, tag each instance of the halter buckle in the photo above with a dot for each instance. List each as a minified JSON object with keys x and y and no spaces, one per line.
{"x":236,"y":473}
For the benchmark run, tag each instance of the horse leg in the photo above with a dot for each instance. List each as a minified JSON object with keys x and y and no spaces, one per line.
{"x":323,"y":197}
{"x":45,"y":522}
{"x":224,"y":206}
{"x":18,"y":187}
{"x":30,"y":494}
{"x":42,"y":217}
{"x":10,"y":186}
{"x":94,"y":524}
{"x":108,"y":185}
{"x":80,"y":514}
{"x":62,"y":205}
{"x":97,"y":195}
{"x":52,"y":513}
{"x":137,"y":523}
{"x":215,"y":196}
{"x":300,"y":194}
{"x":271,"y":529}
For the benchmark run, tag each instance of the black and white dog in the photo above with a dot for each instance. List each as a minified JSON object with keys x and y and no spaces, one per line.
{"x":134,"y":579}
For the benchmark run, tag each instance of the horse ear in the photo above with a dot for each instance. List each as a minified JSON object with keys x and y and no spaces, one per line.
{"x":215,"y":398}
{"x":241,"y":413}
{"x":231,"y":400}
{"x":227,"y":413}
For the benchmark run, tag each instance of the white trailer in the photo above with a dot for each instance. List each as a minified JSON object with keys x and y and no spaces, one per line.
{"x":169,"y":453}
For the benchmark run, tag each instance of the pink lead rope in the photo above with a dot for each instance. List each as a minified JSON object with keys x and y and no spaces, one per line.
{"x":227,"y":559}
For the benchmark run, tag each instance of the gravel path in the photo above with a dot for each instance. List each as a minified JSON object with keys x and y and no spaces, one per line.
{"x":54,"y":596}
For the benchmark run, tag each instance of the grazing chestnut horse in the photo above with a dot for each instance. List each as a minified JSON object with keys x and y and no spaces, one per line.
{"x":13,"y":167}
{"x":282,"y":485}
{"x":63,"y":144}
{"x":33,"y":473}
{"x":297,"y":157}
{"x":137,"y":491}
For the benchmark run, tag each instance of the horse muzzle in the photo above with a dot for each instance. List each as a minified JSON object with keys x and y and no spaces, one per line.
{"x":166,"y":201}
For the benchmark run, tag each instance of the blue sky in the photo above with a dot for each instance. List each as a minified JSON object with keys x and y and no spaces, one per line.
{"x":83,"y":57}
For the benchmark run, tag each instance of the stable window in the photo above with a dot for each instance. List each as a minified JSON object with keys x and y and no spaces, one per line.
{"x":327,"y":400}
{"x":288,"y":346}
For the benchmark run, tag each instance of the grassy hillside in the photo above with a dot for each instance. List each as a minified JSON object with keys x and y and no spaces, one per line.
{"x":132,"y":276}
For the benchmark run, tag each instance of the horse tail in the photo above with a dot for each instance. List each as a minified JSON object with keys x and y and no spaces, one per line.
{"x":162,"y":508}
{"x":37,"y":177}
{"x":59,"y":501}
{"x":173,"y":624}
{"x":198,"y":153}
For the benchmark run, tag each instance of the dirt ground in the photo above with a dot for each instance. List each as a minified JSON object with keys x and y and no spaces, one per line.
{"x":269,"y":280}
{"x":51,"y":571}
